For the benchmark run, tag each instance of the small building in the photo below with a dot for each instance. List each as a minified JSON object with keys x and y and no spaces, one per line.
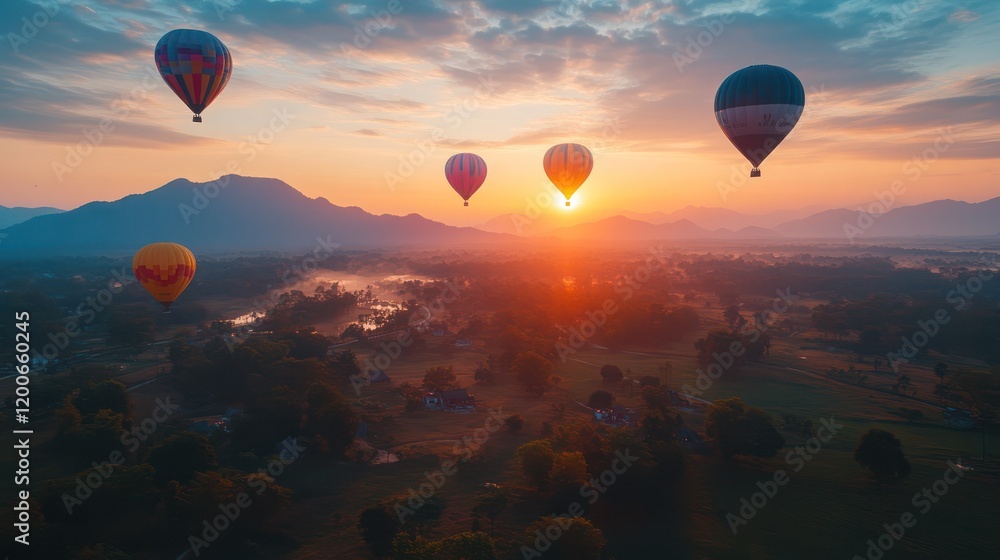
{"x":617,"y":416}
{"x":454,"y":400}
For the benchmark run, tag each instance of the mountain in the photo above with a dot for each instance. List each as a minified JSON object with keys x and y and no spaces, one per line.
{"x":16,"y":215}
{"x":713,"y":218}
{"x":941,"y":218}
{"x":242,"y":214}
{"x":620,"y":228}
{"x":518,"y":224}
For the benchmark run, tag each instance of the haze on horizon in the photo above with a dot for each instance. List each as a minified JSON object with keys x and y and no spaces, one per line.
{"x":884,"y":81}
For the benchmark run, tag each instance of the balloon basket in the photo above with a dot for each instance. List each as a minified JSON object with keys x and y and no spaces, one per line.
{"x":196,"y":118}
{"x":567,"y":203}
{"x":466,"y":203}
{"x":755,"y":172}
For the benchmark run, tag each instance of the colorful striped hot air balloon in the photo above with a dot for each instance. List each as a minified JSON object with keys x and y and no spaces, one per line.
{"x":568,"y":166}
{"x":196,"y":65}
{"x":757,"y":107}
{"x":165,"y":270}
{"x":465,"y":173}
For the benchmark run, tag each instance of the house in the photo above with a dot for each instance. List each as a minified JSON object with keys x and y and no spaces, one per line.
{"x":617,"y":416}
{"x":463,"y":343}
{"x":377,"y":376}
{"x":454,"y":400}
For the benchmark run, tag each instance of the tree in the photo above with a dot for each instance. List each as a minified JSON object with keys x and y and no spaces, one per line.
{"x":600,"y":399}
{"x":356,"y":331}
{"x":870,"y":339}
{"x":941,"y":370}
{"x":345,"y":363}
{"x":533,"y":371}
{"x":536,"y":458}
{"x":379,"y":525}
{"x":463,"y":546}
{"x":739,"y":429}
{"x":569,"y":469}
{"x":474,"y":545}
{"x":106,"y":395}
{"x":732,"y":314}
{"x":881,"y":453}
{"x":492,"y":504}
{"x":330,"y":416}
{"x":649,"y":381}
{"x":514,"y":423}
{"x":182,"y":455}
{"x":611,"y":374}
{"x":579,"y":541}
{"x":483,"y":374}
{"x":440,"y":378}
{"x":654,"y":397}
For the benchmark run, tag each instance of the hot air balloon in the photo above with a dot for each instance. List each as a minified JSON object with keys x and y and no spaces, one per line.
{"x":195,"y":64}
{"x":568,"y":166}
{"x":757,"y":107}
{"x":466,"y":173}
{"x":165,"y":270}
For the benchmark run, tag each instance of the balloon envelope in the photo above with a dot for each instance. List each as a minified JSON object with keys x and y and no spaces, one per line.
{"x":165,"y":270}
{"x":568,"y":166}
{"x":466,"y":173}
{"x":196,"y":66}
{"x":758,"y":106}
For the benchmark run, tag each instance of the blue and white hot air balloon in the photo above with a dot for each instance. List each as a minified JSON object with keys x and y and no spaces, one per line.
{"x":757,"y":107}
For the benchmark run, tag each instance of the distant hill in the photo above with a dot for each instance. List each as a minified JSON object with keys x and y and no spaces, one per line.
{"x":713,"y":218}
{"x":709,"y":218}
{"x":249,"y":214}
{"x":16,"y":215}
{"x":941,"y":218}
{"x":620,"y":228}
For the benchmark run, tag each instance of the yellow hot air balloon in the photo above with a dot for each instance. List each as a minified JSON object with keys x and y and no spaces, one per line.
{"x":568,"y":166}
{"x":165,"y":270}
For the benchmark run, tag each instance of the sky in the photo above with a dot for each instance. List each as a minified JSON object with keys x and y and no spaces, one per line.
{"x":362,"y":102}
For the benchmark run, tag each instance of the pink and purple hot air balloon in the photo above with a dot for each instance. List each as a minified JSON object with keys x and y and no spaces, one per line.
{"x":466,"y":173}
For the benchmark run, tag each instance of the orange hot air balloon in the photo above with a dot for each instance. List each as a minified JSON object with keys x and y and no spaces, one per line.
{"x":165,"y":270}
{"x":568,"y":166}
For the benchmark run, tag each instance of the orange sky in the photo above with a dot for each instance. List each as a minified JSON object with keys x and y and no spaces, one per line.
{"x":878,"y":94}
